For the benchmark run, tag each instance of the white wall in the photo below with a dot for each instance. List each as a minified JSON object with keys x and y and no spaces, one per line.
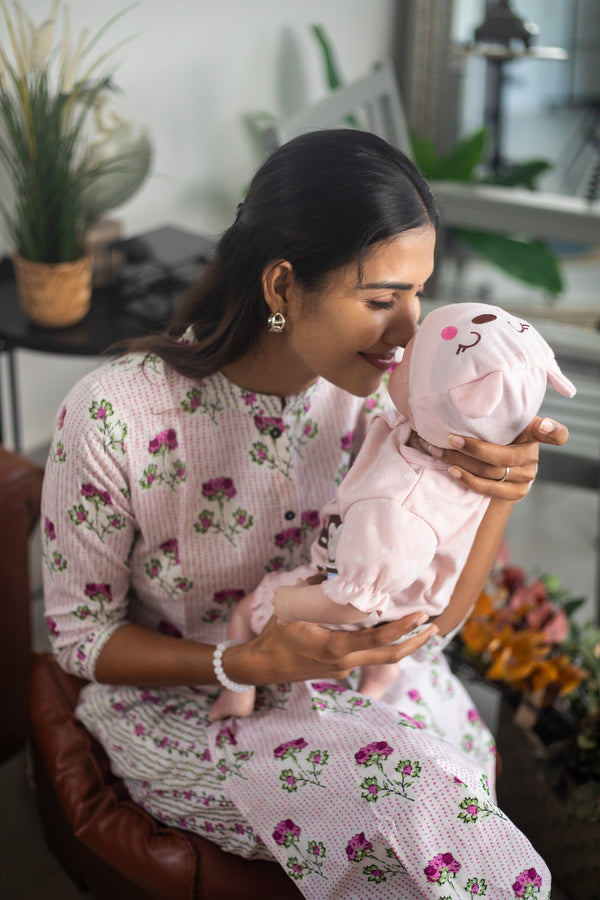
{"x":192,"y":72}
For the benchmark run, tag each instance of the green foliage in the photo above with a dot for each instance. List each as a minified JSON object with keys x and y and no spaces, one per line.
{"x":44,"y":108}
{"x":529,"y":261}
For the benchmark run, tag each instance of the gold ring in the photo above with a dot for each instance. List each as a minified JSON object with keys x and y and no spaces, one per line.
{"x":505,"y":476}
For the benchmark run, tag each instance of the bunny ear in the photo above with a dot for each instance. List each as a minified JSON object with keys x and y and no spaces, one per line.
{"x":560,"y":382}
{"x":478,"y":398}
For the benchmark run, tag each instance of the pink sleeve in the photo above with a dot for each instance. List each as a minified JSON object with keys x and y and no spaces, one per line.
{"x":87,"y":533}
{"x":382,"y":549}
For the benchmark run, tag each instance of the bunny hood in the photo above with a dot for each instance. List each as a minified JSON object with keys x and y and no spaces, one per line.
{"x":478,"y":371}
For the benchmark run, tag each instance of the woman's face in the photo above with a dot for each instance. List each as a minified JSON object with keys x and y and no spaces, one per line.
{"x":349,"y":331}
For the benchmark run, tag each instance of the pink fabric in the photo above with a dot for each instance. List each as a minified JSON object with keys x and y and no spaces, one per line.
{"x":407,"y":527}
{"x":478,"y":371}
{"x":190,"y":492}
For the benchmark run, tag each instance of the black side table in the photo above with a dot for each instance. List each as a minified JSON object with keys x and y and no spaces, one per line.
{"x":158,"y":266}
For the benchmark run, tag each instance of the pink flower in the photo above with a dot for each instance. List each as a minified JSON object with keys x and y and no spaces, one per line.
{"x":414,"y":696}
{"x":285,"y":832}
{"x":283,"y":749}
{"x":527,"y":877}
{"x":49,"y":529}
{"x":347,"y":440}
{"x":310,"y":517}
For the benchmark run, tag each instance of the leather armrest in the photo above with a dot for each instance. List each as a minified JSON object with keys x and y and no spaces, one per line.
{"x":20,"y":493}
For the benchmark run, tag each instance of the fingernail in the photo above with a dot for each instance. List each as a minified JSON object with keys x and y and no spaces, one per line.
{"x":435,"y":451}
{"x":456,"y":441}
{"x":456,"y":473}
{"x":546,"y":426}
{"x":422,"y":619}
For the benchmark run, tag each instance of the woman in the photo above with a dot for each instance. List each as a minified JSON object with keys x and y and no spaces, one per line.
{"x":184,"y":470}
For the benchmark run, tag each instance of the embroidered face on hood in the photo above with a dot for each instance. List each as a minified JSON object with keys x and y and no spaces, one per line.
{"x":475,"y":370}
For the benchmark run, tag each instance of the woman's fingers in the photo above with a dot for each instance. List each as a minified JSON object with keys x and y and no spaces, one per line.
{"x":546,"y":431}
{"x":384,"y":644}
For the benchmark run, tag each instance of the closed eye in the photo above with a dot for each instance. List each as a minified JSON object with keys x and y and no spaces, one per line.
{"x":380,"y":304}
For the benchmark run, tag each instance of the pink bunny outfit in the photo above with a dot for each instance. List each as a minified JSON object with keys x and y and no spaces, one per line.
{"x":407,"y":526}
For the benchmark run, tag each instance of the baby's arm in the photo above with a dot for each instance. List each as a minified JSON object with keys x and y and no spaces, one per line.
{"x":305,"y":602}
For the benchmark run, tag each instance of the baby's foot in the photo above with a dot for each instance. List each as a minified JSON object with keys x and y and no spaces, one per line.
{"x":231,"y":703}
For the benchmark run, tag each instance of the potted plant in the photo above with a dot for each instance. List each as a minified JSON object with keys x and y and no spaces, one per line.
{"x":523,"y":640}
{"x":48,"y":90}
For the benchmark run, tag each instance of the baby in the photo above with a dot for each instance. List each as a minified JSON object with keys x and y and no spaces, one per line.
{"x":398,"y":533}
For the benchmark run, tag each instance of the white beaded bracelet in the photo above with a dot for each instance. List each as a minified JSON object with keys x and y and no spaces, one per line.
{"x":220,"y":673}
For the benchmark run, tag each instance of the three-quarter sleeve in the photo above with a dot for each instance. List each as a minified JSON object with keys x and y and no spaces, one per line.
{"x":87,"y":528}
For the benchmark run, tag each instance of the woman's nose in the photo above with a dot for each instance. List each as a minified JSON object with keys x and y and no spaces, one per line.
{"x":404,"y":325}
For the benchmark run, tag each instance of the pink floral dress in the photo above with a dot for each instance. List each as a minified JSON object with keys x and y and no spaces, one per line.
{"x":166,"y":501}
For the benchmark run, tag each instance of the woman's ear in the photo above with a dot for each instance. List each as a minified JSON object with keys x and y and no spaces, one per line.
{"x":277,"y":281}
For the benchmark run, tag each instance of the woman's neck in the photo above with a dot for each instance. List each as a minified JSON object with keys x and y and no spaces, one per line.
{"x":268,"y":368}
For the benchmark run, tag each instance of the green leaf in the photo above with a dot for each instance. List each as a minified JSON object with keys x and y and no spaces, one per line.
{"x":425,"y":156}
{"x":333,"y":77}
{"x":459,"y":164}
{"x":530,"y":261}
{"x":520,"y":174}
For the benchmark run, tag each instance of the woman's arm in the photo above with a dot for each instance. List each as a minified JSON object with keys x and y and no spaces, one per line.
{"x":477,"y":567}
{"x":294,"y":652}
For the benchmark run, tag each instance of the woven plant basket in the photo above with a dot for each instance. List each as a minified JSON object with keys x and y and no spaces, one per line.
{"x":570,"y":847}
{"x":54,"y":295}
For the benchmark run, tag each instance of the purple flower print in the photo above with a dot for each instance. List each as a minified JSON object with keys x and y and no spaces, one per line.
{"x":373,"y":753}
{"x":171,"y":549}
{"x":169,"y":629}
{"x":96,"y":591}
{"x":358,"y":846}
{"x":328,"y":687}
{"x":95,"y":494}
{"x":414,"y":696}
{"x":225,"y":736}
{"x":310,"y":518}
{"x":359,"y":849}
{"x":249,"y":399}
{"x":347,"y":440}
{"x":49,"y":529}
{"x":218,"y":488}
{"x":527,"y":883}
{"x":52,"y":627}
{"x":227,"y":595}
{"x":473,"y":716}
{"x":165,"y":440}
{"x":285,"y":833}
{"x":271,"y":425}
{"x":476,"y":887}
{"x":289,"y":748}
{"x":441,"y":868}
{"x":288,"y":538}
{"x":228,"y":523}
{"x":61,"y":418}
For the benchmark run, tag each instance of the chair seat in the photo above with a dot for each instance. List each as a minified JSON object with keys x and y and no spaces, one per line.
{"x":105,"y":841}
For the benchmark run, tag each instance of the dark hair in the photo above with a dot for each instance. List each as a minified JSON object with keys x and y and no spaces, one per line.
{"x":319,"y":201}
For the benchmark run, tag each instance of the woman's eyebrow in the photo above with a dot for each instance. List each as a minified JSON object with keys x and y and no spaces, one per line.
{"x":394,"y":285}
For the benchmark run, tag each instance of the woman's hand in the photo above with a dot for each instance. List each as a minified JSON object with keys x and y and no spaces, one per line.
{"x":302,"y":650}
{"x":496,"y":470}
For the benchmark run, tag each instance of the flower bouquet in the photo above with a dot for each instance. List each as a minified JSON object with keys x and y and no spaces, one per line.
{"x":523,"y":639}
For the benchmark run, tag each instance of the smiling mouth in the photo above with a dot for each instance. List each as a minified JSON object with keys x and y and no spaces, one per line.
{"x":381,"y":361}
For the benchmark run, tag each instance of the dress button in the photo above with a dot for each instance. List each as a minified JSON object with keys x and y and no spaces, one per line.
{"x":290,"y":514}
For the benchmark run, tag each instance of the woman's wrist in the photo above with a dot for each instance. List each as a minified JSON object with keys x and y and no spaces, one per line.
{"x":219,"y":670}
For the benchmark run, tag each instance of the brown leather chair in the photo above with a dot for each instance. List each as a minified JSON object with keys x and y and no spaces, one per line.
{"x":106,"y":842}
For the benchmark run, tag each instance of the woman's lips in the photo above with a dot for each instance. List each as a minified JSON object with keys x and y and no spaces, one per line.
{"x":381,"y":361}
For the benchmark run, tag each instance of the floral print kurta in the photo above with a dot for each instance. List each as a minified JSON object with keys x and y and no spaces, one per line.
{"x":165,"y":501}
